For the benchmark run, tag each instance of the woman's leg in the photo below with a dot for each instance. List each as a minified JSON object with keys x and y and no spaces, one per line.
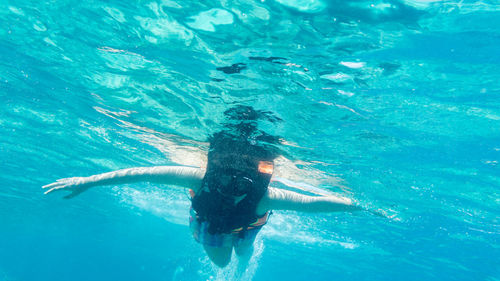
{"x":243,"y":246}
{"x":244,"y":250}
{"x":221,"y":256}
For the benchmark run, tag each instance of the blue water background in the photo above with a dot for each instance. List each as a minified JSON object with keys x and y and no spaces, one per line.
{"x":393,"y":103}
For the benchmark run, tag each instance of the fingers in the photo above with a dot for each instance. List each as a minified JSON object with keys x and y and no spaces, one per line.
{"x":58,"y":185}
{"x":69,"y":184}
{"x":51,"y":185}
{"x":53,"y":189}
{"x":61,"y":182}
{"x":49,"y":191}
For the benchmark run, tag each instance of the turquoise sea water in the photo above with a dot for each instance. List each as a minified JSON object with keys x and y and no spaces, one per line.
{"x":393,"y":103}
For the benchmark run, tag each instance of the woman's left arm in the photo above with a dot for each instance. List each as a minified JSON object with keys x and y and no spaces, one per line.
{"x":280,"y":199}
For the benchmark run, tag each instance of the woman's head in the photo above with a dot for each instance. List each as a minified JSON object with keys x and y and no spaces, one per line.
{"x":241,"y":145}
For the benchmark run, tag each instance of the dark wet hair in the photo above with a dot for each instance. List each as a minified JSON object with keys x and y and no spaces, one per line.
{"x":240,"y":144}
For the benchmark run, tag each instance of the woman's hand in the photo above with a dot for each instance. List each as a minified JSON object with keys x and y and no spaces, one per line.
{"x":76,"y":185}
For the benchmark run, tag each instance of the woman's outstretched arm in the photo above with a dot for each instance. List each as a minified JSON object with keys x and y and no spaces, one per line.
{"x":172,"y":175}
{"x":281,"y":199}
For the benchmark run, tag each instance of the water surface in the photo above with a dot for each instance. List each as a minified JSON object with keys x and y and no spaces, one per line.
{"x":393,"y":103}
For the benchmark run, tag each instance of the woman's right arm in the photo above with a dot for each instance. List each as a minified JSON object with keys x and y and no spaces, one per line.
{"x":171,"y":175}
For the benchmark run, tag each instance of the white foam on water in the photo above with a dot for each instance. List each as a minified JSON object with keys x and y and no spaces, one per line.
{"x":381,"y":7}
{"x":178,"y":271}
{"x":240,"y":268}
{"x":111,"y":80}
{"x":166,"y":27}
{"x":233,"y":271}
{"x":185,"y":155}
{"x":293,"y":229}
{"x":171,"y":4}
{"x":354,"y":65}
{"x":207,"y":20}
{"x":337,"y":77}
{"x":301,"y":187}
{"x":249,"y":11}
{"x":115,"y":14}
{"x":420,"y":4}
{"x":308,"y":174}
{"x":169,"y":204}
{"x":39,"y":26}
{"x":306,"y":6}
{"x":181,"y":154}
{"x":467,"y":110}
{"x":344,"y":93}
{"x":248,"y":269}
{"x":16,"y":11}
{"x":122,"y":59}
{"x":27,"y":112}
{"x":49,"y":41}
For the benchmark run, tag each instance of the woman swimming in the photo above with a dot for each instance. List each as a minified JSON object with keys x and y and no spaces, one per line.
{"x":231,"y":198}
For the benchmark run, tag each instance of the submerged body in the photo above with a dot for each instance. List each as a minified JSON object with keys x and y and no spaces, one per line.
{"x":192,"y":178}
